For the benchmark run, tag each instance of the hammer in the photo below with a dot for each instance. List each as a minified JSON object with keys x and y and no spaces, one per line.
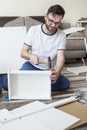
{"x":46,"y":62}
{"x":49,"y":62}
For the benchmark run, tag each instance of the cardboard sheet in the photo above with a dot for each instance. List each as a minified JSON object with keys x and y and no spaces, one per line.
{"x":78,"y":110}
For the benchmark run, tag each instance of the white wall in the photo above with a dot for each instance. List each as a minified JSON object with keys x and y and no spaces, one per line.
{"x":75,"y":9}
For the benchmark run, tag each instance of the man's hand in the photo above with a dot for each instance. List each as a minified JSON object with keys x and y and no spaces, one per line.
{"x":54,"y":75}
{"x":34,"y":59}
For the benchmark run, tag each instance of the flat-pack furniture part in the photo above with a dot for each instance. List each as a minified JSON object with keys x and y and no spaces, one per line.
{"x":42,"y":118}
{"x":11,"y":42}
{"x":29,"y":84}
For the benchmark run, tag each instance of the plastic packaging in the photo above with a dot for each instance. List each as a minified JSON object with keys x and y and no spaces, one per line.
{"x":82,"y":94}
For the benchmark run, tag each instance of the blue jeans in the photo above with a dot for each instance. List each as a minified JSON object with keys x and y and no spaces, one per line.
{"x":0,"y":90}
{"x":4,"y":82}
{"x":62,"y":82}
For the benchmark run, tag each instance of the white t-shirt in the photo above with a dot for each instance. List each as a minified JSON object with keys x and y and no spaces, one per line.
{"x":44,"y":45}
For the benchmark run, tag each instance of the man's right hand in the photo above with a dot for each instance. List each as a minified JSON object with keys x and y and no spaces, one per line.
{"x":34,"y":59}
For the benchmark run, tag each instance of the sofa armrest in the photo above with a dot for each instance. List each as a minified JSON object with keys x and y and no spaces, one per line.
{"x":75,"y":47}
{"x":76,"y":43}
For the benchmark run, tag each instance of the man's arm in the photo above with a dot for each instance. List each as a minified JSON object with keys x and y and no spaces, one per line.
{"x":59,"y":65}
{"x":60,"y":61}
{"x":26,"y":53}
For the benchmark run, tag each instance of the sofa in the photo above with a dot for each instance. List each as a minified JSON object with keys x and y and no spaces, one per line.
{"x":75,"y":43}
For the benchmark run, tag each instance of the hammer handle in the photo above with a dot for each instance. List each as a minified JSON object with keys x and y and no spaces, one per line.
{"x":43,"y":62}
{"x":49,"y":62}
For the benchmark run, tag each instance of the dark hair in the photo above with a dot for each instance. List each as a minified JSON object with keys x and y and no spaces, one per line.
{"x":56,"y":9}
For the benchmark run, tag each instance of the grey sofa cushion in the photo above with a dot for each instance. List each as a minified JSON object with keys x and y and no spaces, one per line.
{"x":64,"y":25}
{"x":16,"y":22}
{"x":75,"y":48}
{"x":30,"y":22}
{"x":75,"y":44}
{"x":74,"y":54}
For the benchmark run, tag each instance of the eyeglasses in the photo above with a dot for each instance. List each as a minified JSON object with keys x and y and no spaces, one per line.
{"x":53,"y":22}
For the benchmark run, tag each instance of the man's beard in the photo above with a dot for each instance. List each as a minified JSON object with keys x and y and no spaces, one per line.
{"x":50,"y":28}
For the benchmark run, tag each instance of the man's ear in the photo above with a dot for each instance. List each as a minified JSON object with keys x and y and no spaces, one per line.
{"x":45,"y":17}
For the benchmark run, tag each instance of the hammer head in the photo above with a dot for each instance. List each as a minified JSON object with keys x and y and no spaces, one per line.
{"x":46,"y":62}
{"x":49,"y":62}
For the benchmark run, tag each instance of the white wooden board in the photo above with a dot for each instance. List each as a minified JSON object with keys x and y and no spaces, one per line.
{"x":5,"y":115}
{"x":78,"y":70}
{"x":53,"y":118}
{"x":72,"y":30}
{"x":11,"y":42}
{"x":48,"y":119}
{"x":28,"y":123}
{"x":29,"y":84}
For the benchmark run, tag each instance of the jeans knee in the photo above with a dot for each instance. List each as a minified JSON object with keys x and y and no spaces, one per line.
{"x":67,"y":85}
{"x":0,"y":90}
{"x":62,"y":84}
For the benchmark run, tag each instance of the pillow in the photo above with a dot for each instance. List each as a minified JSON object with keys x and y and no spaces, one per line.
{"x":64,"y":25}
{"x":30,"y":22}
{"x":16,"y":22}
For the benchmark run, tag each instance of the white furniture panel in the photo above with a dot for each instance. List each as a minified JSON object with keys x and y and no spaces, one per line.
{"x":78,"y":70}
{"x":45,"y":119}
{"x":29,"y":84}
{"x":11,"y":42}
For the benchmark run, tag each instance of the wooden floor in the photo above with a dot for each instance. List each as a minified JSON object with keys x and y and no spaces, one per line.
{"x":76,"y":82}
